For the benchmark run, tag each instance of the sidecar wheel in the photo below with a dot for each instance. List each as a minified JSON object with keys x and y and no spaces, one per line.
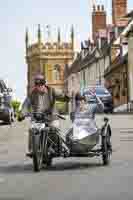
{"x":106,"y":153}
{"x":106,"y":160}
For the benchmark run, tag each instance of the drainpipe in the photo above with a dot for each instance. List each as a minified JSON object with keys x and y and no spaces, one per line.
{"x":127,"y":88}
{"x":99,"y":71}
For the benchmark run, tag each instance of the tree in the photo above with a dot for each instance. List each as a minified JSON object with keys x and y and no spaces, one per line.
{"x":16,"y":104}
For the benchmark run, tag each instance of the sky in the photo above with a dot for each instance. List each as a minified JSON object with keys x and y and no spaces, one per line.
{"x":16,"y":16}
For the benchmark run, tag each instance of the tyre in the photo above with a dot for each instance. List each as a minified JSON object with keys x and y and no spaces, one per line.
{"x":106,"y":152}
{"x":47,"y":159}
{"x":37,"y":149}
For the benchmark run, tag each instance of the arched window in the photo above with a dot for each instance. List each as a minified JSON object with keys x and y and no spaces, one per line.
{"x":56,"y":72}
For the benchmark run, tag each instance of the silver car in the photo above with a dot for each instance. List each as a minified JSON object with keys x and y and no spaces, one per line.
{"x":103,"y":94}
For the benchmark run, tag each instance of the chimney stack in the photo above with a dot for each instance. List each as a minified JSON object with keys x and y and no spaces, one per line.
{"x":98,"y":20}
{"x":119,"y":9}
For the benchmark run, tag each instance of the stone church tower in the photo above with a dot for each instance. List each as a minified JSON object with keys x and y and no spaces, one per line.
{"x":49,"y":59}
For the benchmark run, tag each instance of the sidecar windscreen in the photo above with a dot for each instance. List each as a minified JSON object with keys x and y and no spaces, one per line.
{"x":83,"y":128}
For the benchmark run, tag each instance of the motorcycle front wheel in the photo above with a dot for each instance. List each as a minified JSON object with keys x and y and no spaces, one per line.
{"x":47,"y":159}
{"x":37,"y":147}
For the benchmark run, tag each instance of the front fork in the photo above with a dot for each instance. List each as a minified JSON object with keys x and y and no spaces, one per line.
{"x":30,"y":140}
{"x":30,"y":135}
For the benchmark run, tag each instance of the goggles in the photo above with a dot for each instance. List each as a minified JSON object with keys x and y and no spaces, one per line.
{"x":39,"y":82}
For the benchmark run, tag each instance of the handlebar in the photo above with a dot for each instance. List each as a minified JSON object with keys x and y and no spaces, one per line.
{"x":59,"y":116}
{"x":45,"y":115}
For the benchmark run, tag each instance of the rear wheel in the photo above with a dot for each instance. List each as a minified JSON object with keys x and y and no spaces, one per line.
{"x":37,"y":152}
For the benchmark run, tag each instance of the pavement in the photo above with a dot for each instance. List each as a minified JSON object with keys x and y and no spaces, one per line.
{"x":71,"y":178}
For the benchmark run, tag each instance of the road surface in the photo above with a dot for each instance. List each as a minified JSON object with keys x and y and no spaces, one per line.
{"x":67,"y":179}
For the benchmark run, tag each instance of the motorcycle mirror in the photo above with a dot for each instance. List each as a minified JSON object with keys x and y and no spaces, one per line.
{"x":106,"y":119}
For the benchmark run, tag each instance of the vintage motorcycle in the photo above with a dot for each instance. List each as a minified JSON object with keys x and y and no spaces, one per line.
{"x":48,"y":142}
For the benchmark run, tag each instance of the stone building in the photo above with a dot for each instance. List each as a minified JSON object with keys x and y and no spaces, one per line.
{"x":72,"y":80}
{"x":130,"y":64}
{"x":49,"y":59}
{"x":119,"y":75}
{"x":93,"y":66}
{"x":116,"y":80}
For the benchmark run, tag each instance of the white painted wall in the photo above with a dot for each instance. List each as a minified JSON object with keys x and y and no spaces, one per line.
{"x":93,"y":71}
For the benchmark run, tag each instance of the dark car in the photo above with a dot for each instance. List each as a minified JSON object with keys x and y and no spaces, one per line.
{"x":6,"y":110}
{"x":103,"y":94}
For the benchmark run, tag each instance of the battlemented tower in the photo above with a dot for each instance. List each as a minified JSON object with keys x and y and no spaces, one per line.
{"x":48,"y":58}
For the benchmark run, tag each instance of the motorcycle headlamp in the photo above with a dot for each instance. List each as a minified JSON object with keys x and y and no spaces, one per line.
{"x":37,"y":126}
{"x":56,"y":123}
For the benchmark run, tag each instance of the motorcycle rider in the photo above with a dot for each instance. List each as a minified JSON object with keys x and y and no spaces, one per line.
{"x":42,"y":99}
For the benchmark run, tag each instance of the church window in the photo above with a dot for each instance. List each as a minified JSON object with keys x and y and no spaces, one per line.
{"x":56,"y":72}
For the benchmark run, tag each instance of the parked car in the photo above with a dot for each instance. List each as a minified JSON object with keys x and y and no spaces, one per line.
{"x":6,"y":110}
{"x":103,"y":94}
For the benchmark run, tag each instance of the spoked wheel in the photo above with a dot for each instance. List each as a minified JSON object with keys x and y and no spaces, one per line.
{"x":47,"y":159}
{"x":37,"y":152}
{"x":106,"y":151}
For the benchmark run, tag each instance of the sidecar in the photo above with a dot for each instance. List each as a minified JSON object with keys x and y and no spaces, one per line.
{"x":79,"y":143}
{"x":94,"y":143}
{"x":82,"y":138}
